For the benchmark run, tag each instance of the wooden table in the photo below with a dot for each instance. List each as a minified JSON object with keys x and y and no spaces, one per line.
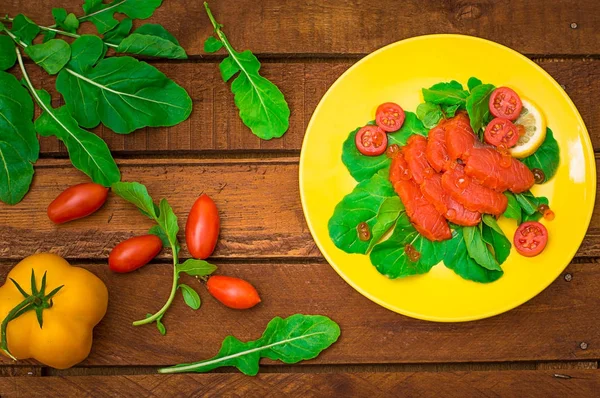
{"x":548,"y":346}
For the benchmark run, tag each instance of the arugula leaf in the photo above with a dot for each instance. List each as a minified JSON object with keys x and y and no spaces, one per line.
{"x":66,"y":22}
{"x":412,"y":125}
{"x":126,"y":95}
{"x":388,"y":214}
{"x":168,"y":222}
{"x":212,"y":45}
{"x":194,"y":267}
{"x":190,"y":296}
{"x":391,"y":259}
{"x":363,"y":204}
{"x":537,"y":215}
{"x":137,"y":194}
{"x":24,"y":28}
{"x":494,"y":236}
{"x":19,"y":147}
{"x":159,"y":325}
{"x":152,"y":40}
{"x":478,"y":106}
{"x":119,"y":32}
{"x":450,"y":93}
{"x":473,"y":82}
{"x":88,"y":152}
{"x":158,"y":231}
{"x":102,"y":15}
{"x":8,"y":56}
{"x":478,"y":250}
{"x":450,"y":110}
{"x":430,"y":114}
{"x":262,"y":105}
{"x":458,"y":260}
{"x":513,"y":210}
{"x":361,"y":167}
{"x":546,"y":158}
{"x":291,"y":340}
{"x":528,"y":202}
{"x":52,"y":55}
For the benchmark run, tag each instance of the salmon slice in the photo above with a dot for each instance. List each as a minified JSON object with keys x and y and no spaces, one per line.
{"x":473,"y":196}
{"x":414,"y":154}
{"x":460,"y":138}
{"x":423,"y":215}
{"x":444,"y":203}
{"x":495,"y":171}
{"x":436,"y":151}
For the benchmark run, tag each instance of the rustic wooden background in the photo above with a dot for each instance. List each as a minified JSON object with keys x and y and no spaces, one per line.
{"x":548,"y":346}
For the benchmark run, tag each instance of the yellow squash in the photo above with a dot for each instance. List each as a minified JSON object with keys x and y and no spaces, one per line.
{"x":68,"y":316}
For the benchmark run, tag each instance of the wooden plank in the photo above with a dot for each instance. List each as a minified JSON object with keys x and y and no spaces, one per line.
{"x":361,"y":26}
{"x":259,"y":203}
{"x":215,"y":126}
{"x":524,"y":383}
{"x":370,"y":333}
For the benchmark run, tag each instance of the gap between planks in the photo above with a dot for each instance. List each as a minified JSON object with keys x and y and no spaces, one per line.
{"x":560,"y":367}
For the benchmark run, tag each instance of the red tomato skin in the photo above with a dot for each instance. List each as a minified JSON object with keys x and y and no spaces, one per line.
{"x":370,"y":150}
{"x":202,"y":227}
{"x":233,"y":292}
{"x":498,"y":112}
{"x":134,"y":253}
{"x":76,"y":202}
{"x":543,"y":239}
{"x":385,"y":110}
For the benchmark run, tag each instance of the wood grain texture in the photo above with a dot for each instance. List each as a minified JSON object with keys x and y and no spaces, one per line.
{"x":361,"y":26}
{"x":526,"y":383}
{"x":215,"y":125}
{"x":259,"y":202}
{"x":550,"y":327}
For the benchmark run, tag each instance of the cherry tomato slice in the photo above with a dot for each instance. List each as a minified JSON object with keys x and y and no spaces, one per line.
{"x":134,"y":253}
{"x":76,"y":202}
{"x":371,"y":141}
{"x":501,"y":132}
{"x":531,"y":238}
{"x":504,"y":102}
{"x":389,"y":116}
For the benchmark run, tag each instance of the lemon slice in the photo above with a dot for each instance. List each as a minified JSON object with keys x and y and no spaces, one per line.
{"x":532,"y":119}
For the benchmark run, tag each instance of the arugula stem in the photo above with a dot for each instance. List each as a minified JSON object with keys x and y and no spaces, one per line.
{"x":83,"y":18}
{"x":15,"y":39}
{"x":6,"y":18}
{"x":219,"y":32}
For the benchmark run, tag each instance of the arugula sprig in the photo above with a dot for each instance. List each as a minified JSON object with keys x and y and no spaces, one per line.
{"x":262,"y":105}
{"x":166,"y":229}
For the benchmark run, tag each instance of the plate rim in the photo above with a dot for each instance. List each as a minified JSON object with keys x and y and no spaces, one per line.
{"x":588,"y":150}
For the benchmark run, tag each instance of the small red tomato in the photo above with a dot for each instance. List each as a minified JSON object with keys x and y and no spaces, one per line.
{"x":134,"y":253}
{"x":371,"y":141}
{"x":531,"y":238}
{"x":504,"y":102}
{"x":233,"y":292}
{"x":389,"y":117}
{"x":202,"y":227}
{"x":501,"y":131}
{"x":76,"y":202}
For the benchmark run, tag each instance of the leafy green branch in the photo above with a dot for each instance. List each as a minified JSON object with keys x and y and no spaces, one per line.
{"x":166,"y":229}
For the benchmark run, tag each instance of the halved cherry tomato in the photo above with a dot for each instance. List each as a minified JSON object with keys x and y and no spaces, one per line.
{"x":371,"y":141}
{"x":202,"y":227}
{"x":504,"y":102}
{"x":134,"y":253}
{"x":501,"y":131}
{"x":531,"y":238}
{"x":77,"y":201}
{"x":389,"y":116}
{"x":233,"y":292}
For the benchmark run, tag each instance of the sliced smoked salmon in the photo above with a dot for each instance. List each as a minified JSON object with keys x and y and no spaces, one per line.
{"x":460,"y":138}
{"x":423,"y":215}
{"x":444,"y":203}
{"x":436,"y":151}
{"x":472,"y":195}
{"x":495,"y":171}
{"x":414,"y":154}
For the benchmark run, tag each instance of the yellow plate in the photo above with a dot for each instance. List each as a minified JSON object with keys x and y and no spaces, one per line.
{"x":397,"y":73}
